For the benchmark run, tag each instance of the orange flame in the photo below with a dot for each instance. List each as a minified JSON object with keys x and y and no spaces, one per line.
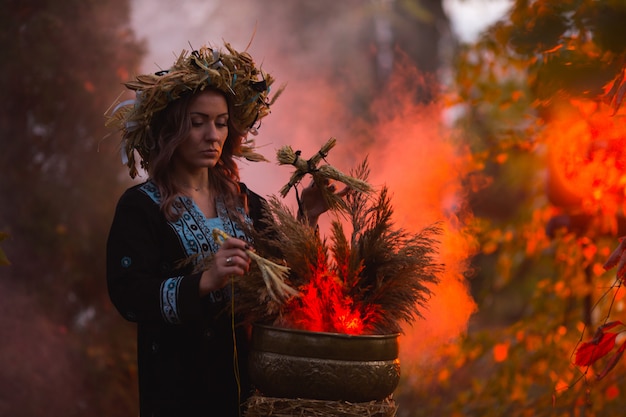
{"x":411,"y":151}
{"x":325,"y":306}
{"x":325,"y":309}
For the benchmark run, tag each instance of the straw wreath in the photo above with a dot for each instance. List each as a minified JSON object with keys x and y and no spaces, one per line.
{"x":234,"y":73}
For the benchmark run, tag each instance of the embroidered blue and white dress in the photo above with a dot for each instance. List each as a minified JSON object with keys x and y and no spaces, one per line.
{"x":185,"y":342}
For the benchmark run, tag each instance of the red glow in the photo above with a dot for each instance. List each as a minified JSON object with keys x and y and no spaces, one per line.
{"x":407,"y":135}
{"x":587,"y":157}
{"x":325,"y":306}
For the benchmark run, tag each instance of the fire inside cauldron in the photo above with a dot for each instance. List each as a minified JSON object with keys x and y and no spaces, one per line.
{"x":337,"y":338}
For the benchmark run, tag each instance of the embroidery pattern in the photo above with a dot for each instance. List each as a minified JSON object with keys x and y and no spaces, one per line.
{"x":194,"y":232}
{"x":169,"y":299}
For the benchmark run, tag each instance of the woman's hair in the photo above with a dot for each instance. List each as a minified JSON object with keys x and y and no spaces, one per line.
{"x":168,"y":129}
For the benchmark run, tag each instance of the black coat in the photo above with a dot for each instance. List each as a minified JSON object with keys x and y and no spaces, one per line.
{"x":186,"y":357}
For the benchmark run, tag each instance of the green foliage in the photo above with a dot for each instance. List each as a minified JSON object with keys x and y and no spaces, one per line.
{"x":523,"y":367}
{"x":540,"y":289}
{"x":63,"y":63}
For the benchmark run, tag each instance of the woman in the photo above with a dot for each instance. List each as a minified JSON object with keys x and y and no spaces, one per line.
{"x":187,"y":125}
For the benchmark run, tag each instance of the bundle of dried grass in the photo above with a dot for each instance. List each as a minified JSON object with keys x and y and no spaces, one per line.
{"x":259,"y":406}
{"x":321,"y":175}
{"x":286,"y":240}
{"x":384,"y":266}
{"x":385,"y":272}
{"x":272,"y":273}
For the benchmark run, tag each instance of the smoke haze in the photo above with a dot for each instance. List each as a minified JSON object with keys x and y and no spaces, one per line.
{"x":329,"y":56}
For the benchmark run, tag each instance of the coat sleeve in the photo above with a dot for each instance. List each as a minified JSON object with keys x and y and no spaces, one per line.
{"x":140,"y":280}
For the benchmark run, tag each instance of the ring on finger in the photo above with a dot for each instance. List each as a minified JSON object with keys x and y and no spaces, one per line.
{"x":229,"y":261}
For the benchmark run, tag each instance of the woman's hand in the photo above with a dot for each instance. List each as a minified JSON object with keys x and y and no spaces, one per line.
{"x":230,"y":259}
{"x":313,"y":202}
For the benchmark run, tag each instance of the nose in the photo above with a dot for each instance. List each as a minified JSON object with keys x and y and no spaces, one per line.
{"x":212,"y":133}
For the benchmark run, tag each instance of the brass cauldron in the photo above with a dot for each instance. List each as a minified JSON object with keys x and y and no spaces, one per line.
{"x":287,"y":363}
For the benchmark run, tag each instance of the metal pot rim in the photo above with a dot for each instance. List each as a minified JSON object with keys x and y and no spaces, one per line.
{"x":336,"y":346}
{"x":326,"y":334}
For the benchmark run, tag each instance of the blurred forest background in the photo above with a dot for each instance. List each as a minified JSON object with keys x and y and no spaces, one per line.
{"x":533,"y":106}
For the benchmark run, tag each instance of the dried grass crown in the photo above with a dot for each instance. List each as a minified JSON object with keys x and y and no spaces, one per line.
{"x":234,"y":73}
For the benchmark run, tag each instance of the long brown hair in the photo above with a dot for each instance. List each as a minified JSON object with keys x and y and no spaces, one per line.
{"x":168,"y":129}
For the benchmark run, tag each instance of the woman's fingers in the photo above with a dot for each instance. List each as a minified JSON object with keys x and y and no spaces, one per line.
{"x":232,"y":257}
{"x":237,"y":262}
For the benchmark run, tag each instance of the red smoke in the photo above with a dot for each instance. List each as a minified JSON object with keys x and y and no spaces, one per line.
{"x":328,"y":74}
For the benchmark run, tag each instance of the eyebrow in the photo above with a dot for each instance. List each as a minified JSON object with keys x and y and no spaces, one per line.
{"x":197,"y":113}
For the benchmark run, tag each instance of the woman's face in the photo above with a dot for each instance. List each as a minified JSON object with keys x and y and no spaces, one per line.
{"x":208,"y":112}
